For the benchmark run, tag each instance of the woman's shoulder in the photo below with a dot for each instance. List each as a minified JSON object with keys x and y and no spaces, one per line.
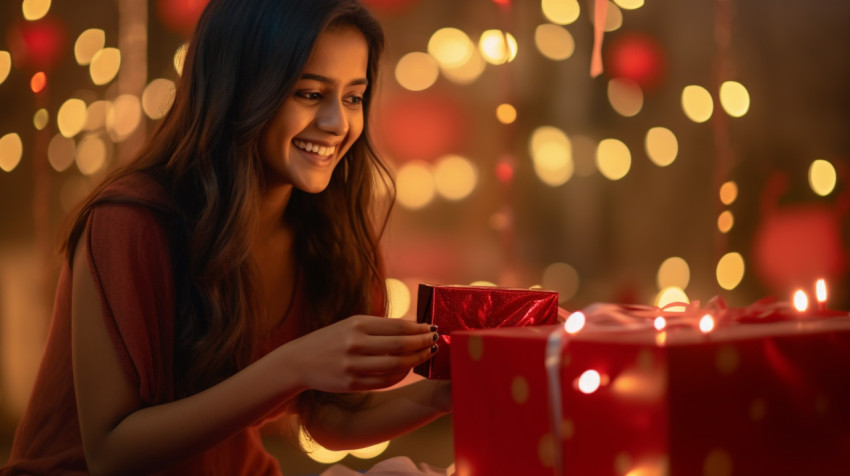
{"x":137,"y":188}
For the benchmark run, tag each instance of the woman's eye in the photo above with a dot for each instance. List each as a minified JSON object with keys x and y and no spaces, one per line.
{"x":355,"y":100}
{"x":311,"y":95}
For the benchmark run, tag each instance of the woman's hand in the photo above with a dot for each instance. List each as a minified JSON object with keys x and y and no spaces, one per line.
{"x":360,"y":353}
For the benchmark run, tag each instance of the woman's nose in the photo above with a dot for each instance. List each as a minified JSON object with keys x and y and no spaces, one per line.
{"x":331,"y":117}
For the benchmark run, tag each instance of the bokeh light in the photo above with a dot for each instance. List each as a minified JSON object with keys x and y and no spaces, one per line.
{"x":822,"y":177}
{"x":180,"y":57}
{"x":661,"y":145}
{"x":589,"y":381}
{"x":60,"y":152}
{"x":370,"y":452}
{"x":613,"y":18}
{"x":554,"y":41}
{"x":96,"y":115}
{"x":725,"y":221}
{"x":613,"y":159}
{"x":104,"y":65}
{"x":561,"y":12}
{"x":71,"y":117}
{"x":728,"y":192}
{"x":11,"y":151}
{"x":399,"y":298}
{"x":40,"y":119}
{"x":697,"y":103}
{"x":450,"y":47}
{"x":123,"y":117}
{"x":35,"y":9}
{"x":506,"y":113}
{"x":625,"y":96}
{"x":317,"y":452}
{"x":5,"y":65}
{"x":415,"y":185}
{"x":800,"y":300}
{"x":673,"y":272}
{"x":629,"y":4}
{"x":497,"y":47}
{"x":91,"y":155}
{"x":551,"y":155}
{"x":562,"y":278}
{"x":88,"y":44}
{"x":734,"y":98}
{"x":38,"y":82}
{"x":455,"y":177}
{"x":670,"y":295}
{"x":158,"y":97}
{"x":467,"y":72}
{"x":730,"y":270}
{"x":417,"y":71}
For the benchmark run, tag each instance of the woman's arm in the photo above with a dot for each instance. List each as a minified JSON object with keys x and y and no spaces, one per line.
{"x":120,"y":436}
{"x":387,"y":414}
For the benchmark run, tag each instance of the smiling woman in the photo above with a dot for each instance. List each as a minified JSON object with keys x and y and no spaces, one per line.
{"x":231,"y":273}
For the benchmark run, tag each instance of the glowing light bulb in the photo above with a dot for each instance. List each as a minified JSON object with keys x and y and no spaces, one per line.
{"x":706,"y":324}
{"x":820,"y":292}
{"x":660,"y":323}
{"x":801,"y":301}
{"x":589,"y":381}
{"x":575,"y":322}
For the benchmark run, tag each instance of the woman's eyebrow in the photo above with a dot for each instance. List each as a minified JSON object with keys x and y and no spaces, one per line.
{"x":324,"y":79}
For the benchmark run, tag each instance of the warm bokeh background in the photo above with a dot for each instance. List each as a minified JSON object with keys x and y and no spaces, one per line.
{"x":710,"y":158}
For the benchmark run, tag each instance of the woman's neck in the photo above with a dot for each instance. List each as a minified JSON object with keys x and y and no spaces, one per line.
{"x":273,"y":204}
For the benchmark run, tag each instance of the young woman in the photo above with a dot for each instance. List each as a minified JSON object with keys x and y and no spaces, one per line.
{"x":232,"y":272}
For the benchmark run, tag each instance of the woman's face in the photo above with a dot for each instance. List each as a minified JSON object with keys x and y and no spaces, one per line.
{"x":323,"y":115}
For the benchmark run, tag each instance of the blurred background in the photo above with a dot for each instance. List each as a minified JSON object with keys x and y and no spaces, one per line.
{"x":710,"y":158}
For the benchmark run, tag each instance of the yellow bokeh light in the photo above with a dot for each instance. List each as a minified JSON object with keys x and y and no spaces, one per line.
{"x":11,"y":151}
{"x":158,"y":97}
{"x":613,"y":18}
{"x":613,"y":159}
{"x":96,"y":115}
{"x":506,"y":113}
{"x":450,"y":47}
{"x":467,"y":72}
{"x":551,"y":155}
{"x":88,"y":44}
{"x":629,"y":4}
{"x":625,"y":96}
{"x":697,"y":103}
{"x":415,"y":185}
{"x":105,"y":65}
{"x":670,"y":295}
{"x":123,"y":117}
{"x":730,"y":270}
{"x":455,"y":177}
{"x":725,"y":221}
{"x":5,"y":65}
{"x":661,"y":146}
{"x":370,"y":452}
{"x":417,"y":71}
{"x":554,"y":42}
{"x":561,"y":12}
{"x":482,"y":283}
{"x":822,"y":177}
{"x":575,"y":322}
{"x":673,"y":272}
{"x":91,"y":155}
{"x":734,"y":98}
{"x":728,"y":192}
{"x":40,"y":119}
{"x":497,"y":47}
{"x":180,"y":57}
{"x":801,"y":300}
{"x":71,"y":117}
{"x":589,"y":381}
{"x":399,"y":298}
{"x":60,"y":152}
{"x":35,"y":9}
{"x":562,"y":278}
{"x":317,"y":452}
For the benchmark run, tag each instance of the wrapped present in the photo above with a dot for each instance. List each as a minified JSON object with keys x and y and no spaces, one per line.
{"x":724,"y":392}
{"x":454,"y":308}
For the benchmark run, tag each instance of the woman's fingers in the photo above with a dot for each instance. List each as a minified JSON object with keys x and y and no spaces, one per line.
{"x":388,"y":364}
{"x":395,"y":345}
{"x":382,"y":326}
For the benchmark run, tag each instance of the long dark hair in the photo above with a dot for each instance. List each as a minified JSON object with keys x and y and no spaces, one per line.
{"x":242,"y":62}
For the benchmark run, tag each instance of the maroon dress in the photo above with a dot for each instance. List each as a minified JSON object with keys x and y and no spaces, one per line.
{"x":129,"y":257}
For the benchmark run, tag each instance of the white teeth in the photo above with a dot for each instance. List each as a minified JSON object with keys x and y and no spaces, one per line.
{"x":315,"y":148}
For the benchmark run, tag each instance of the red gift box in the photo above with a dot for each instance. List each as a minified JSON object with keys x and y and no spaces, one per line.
{"x":455,"y":308}
{"x":744,"y":399}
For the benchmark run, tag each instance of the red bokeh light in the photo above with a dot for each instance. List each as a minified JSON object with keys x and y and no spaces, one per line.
{"x":38,"y":82}
{"x":180,"y":16}
{"x":39,"y":44}
{"x":636,"y":56}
